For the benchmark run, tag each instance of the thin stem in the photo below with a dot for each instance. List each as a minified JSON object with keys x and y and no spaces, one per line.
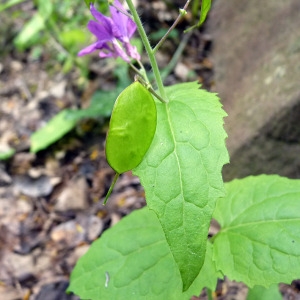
{"x":191,"y":28}
{"x":141,"y":65}
{"x":181,"y":14}
{"x":136,"y":70}
{"x":148,"y":87}
{"x":143,"y":71}
{"x":148,"y":48}
{"x":111,"y":188}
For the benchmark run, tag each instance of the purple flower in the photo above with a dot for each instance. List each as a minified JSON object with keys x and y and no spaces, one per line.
{"x":113,"y":34}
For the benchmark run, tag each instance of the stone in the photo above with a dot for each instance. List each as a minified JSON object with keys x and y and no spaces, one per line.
{"x":182,"y":71}
{"x":70,"y":233}
{"x":58,"y":90}
{"x":15,"y":264}
{"x":33,"y":187}
{"x":85,"y":228}
{"x":257,"y":69}
{"x":73,"y":196}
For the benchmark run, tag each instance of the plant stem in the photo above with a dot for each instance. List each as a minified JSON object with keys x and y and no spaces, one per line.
{"x":172,"y":27}
{"x":136,"y":70}
{"x":111,"y":188}
{"x":148,"y":48}
{"x":148,"y":86}
{"x":143,"y":71}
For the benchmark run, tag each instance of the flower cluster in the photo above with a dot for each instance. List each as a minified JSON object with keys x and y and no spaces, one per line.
{"x":113,"y":34}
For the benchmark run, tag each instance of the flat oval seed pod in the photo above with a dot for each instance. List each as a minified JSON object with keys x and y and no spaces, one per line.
{"x":131,"y":129}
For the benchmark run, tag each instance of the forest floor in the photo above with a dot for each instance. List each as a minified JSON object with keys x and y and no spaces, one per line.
{"x":51,"y":202}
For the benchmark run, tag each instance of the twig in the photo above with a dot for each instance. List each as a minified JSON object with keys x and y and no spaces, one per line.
{"x":149,"y":87}
{"x":182,"y":12}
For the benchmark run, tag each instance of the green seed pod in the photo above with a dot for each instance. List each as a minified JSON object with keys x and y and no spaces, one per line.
{"x":131,"y":129}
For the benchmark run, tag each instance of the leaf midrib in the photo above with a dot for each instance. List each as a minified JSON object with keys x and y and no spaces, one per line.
{"x":167,"y":107}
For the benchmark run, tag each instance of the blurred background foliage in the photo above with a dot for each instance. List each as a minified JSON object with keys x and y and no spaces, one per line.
{"x":57,"y":25}
{"x":52,"y":32}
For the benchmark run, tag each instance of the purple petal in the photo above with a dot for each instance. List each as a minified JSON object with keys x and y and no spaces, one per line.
{"x":109,"y":32}
{"x":105,"y":55}
{"x":115,"y":52}
{"x":125,"y":27}
{"x":131,"y":28}
{"x":105,"y":21}
{"x":120,"y":52}
{"x":99,"y":31}
{"x":89,"y":49}
{"x":115,"y":13}
{"x":131,"y":51}
{"x":119,"y":19}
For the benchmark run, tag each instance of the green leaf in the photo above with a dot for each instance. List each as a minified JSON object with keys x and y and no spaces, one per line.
{"x":68,"y":64}
{"x":101,"y":106}
{"x":29,"y":31}
{"x":259,"y":242}
{"x":88,"y":2}
{"x":102,"y":103}
{"x":45,"y":8}
{"x":181,"y":172}
{"x":57,"y":127}
{"x":131,"y":128}
{"x":205,"y":7}
{"x":6,"y":153}
{"x":34,"y":25}
{"x":72,"y":37}
{"x":208,"y":275}
{"x":261,"y":293}
{"x":133,"y":261}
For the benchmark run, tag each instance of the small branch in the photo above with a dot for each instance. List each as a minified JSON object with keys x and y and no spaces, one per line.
{"x":136,"y":70}
{"x":141,"y":73}
{"x":111,"y":188}
{"x":149,"y":88}
{"x":191,"y":28}
{"x":182,"y":12}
